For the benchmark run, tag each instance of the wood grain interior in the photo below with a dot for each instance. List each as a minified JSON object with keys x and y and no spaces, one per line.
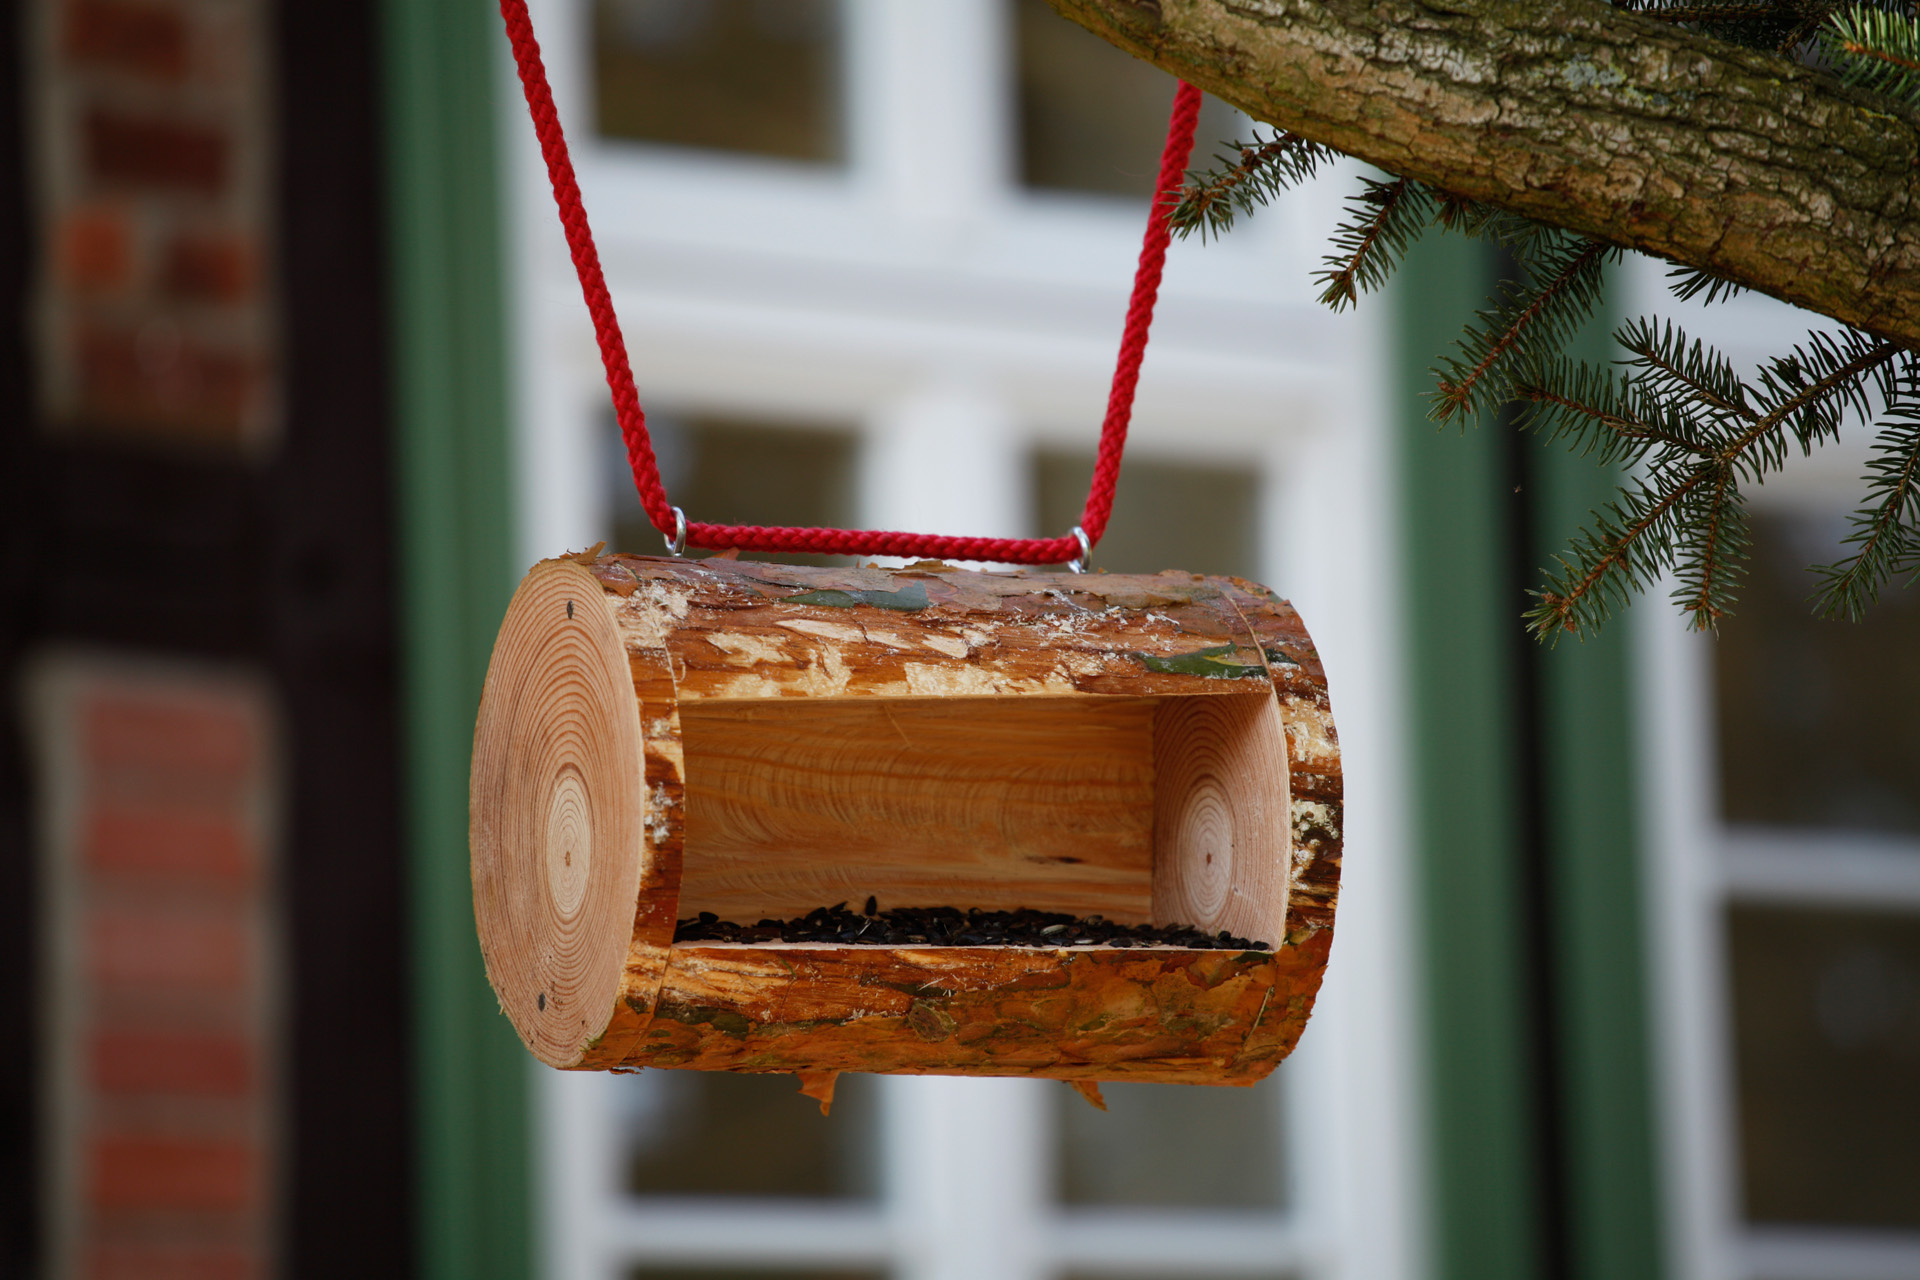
{"x":999,"y":803}
{"x":1221,"y":832}
{"x":1165,"y":809}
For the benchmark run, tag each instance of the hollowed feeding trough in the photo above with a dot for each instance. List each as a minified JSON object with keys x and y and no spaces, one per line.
{"x":661,"y":738}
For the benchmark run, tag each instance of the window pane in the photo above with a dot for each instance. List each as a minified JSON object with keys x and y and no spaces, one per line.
{"x":732,"y":75}
{"x":1827,"y":1043}
{"x":1195,"y":1146}
{"x":1093,"y":118}
{"x":1819,"y":720}
{"x":705,"y":1133}
{"x":1165,"y":515}
{"x":730,"y":472}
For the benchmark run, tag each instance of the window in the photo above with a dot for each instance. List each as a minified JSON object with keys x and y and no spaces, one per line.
{"x":1819,"y":749}
{"x":1795,"y":918}
{"x":728,"y":471}
{"x":1826,"y":1019}
{"x":1091,"y":117}
{"x":759,"y":76}
{"x":897,"y":376}
{"x":1166,"y":515}
{"x":912,"y":1177}
{"x":1817,"y":718}
{"x":1163,"y":1146}
{"x":699,"y":1133}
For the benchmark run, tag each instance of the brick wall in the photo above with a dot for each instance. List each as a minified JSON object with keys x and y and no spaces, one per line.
{"x":160,"y":980}
{"x":155,"y":301}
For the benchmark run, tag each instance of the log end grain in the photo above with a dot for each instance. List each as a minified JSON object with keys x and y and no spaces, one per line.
{"x":558,"y":845}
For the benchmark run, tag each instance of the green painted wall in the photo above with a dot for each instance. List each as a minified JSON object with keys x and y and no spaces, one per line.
{"x":1479,"y":704}
{"x":1466,"y":796}
{"x":1586,"y":694}
{"x":457,"y":568}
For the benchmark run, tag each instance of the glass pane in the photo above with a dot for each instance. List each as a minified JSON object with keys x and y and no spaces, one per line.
{"x":1197,"y":1146}
{"x":730,"y":472}
{"x":707,"y":1133}
{"x":1827,"y":1044}
{"x":1093,"y":118}
{"x":1818,"y":719}
{"x":733,"y":75}
{"x":1165,"y":515}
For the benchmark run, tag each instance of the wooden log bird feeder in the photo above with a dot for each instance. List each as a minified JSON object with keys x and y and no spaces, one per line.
{"x":666,"y":740}
{"x":659,"y":738}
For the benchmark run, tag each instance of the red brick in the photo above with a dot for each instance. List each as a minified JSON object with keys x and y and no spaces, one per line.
{"x":172,"y":1173}
{"x":158,"y":1262}
{"x":156,"y":840}
{"x":208,"y":269}
{"x":164,"y":945}
{"x":142,"y":151}
{"x":171,"y":1064}
{"x":145,"y":39}
{"x":96,"y":250}
{"x":173,"y":387}
{"x":184,"y":732}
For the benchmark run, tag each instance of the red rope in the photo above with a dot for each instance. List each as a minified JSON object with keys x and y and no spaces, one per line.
{"x":633,"y":420}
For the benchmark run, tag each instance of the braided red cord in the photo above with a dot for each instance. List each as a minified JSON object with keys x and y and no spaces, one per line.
{"x":633,"y":420}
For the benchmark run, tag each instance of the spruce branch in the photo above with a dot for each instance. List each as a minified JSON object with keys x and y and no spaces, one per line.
{"x":1700,"y":433}
{"x":1813,"y":387}
{"x":1877,"y":49}
{"x":1694,"y":431}
{"x":1713,"y":549}
{"x":1688,"y":283}
{"x":1886,"y":533}
{"x":1251,"y":174}
{"x":1674,"y":370}
{"x":1382,"y":222}
{"x":1530,"y":320}
{"x":1778,"y":26}
{"x":1685,"y":13}
{"x":1480,"y":221}
{"x":1625,"y":552}
{"x":1603,"y":415}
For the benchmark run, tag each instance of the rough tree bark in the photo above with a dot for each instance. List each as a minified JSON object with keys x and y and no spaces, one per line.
{"x":1584,"y":116}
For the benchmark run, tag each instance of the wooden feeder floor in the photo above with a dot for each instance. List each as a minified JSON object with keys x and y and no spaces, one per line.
{"x":952,"y":927}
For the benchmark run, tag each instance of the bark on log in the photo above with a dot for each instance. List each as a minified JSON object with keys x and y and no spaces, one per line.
{"x":1584,"y":116}
{"x":661,"y":737}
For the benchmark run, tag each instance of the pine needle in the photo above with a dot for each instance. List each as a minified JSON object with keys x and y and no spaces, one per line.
{"x":1876,"y":49}
{"x":1382,"y":222}
{"x":1698,"y":433}
{"x":1886,"y":532}
{"x":1529,"y":321}
{"x":1249,"y":175}
{"x":1688,"y":283}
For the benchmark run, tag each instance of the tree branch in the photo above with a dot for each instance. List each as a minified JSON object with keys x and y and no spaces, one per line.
{"x":1592,"y":118}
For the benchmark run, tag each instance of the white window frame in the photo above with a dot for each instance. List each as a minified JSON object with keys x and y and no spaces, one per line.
{"x":917,"y":293}
{"x":1696,"y":865}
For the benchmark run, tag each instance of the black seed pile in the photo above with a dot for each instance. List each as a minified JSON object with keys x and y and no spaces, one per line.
{"x":951,"y":927}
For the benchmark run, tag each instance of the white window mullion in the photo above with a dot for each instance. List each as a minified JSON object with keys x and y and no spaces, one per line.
{"x":945,"y":459}
{"x":968,"y":1176}
{"x":928,"y":106}
{"x":1687,"y":973}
